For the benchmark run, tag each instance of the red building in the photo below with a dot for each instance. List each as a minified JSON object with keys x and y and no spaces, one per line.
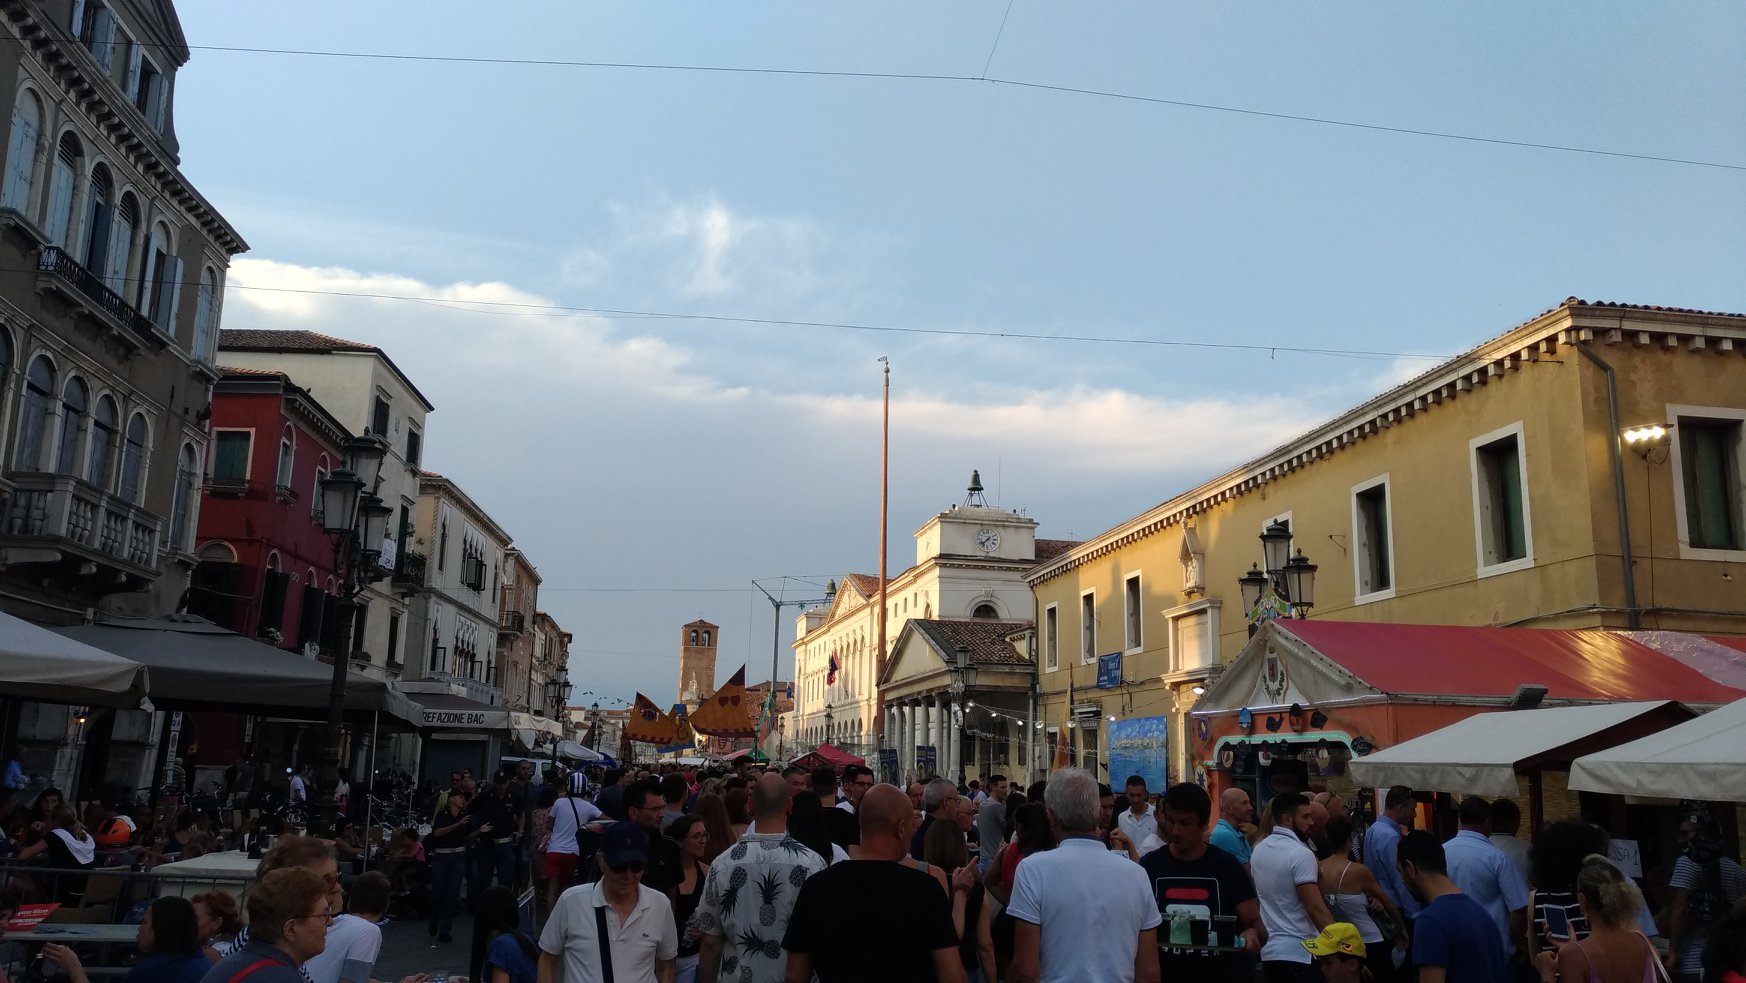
{"x":266,"y":566}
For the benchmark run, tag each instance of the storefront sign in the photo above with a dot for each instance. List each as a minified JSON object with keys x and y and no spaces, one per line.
{"x":1109,"y":671}
{"x":472,"y":719}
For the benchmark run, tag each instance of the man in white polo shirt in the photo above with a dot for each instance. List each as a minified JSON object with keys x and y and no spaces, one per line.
{"x":1082,"y":912}
{"x":636,"y":921}
{"x":1139,"y":820}
{"x":1288,"y":885}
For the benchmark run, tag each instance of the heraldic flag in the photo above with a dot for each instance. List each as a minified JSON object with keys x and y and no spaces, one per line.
{"x":649,"y":725}
{"x":726,"y":714}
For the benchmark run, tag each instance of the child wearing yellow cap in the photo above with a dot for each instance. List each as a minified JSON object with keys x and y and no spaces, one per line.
{"x":1340,"y":951}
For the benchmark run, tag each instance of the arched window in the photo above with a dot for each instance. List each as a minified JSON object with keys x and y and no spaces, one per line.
{"x":21,"y":153}
{"x":321,"y":470}
{"x":181,"y":510}
{"x":161,"y":279}
{"x":99,"y":215}
{"x":706,"y":639}
{"x":217,"y":551}
{"x":121,"y":227}
{"x":39,"y":396}
{"x":985,"y":612}
{"x":693,"y":637}
{"x":64,"y":181}
{"x":101,"y":443}
{"x":205,"y":315}
{"x":133,"y":459}
{"x":74,"y":403}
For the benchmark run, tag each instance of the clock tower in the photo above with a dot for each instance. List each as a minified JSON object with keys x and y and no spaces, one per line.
{"x":697,"y":642}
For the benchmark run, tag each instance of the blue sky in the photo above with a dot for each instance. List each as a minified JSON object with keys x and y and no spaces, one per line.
{"x":637,"y":452}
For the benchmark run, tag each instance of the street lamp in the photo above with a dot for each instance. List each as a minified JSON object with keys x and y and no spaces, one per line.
{"x":828,"y":720}
{"x":963,"y":671}
{"x":594,"y":726}
{"x":1290,"y":578}
{"x":357,"y":522}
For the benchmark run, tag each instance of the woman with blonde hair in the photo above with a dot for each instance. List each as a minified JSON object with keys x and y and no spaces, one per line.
{"x":1614,"y":951}
{"x":65,"y":845}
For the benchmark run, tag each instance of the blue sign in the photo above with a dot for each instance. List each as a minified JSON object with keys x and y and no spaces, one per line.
{"x":888,"y":765}
{"x":1109,"y":671}
{"x":926,"y":758}
{"x":1137,"y":746}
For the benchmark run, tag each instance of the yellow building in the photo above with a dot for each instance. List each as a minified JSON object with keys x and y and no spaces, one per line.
{"x":1495,"y":489}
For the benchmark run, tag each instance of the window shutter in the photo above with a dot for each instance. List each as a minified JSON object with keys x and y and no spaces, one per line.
{"x":78,"y":23}
{"x":103,"y":38}
{"x":130,"y":82}
{"x":60,"y":200}
{"x":173,"y":293}
{"x":97,"y":244}
{"x":160,"y":99}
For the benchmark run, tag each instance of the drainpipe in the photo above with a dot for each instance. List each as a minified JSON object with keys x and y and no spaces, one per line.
{"x":1633,"y":616}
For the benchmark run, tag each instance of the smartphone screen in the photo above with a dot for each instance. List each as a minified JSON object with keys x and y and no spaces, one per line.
{"x":1557,"y":923}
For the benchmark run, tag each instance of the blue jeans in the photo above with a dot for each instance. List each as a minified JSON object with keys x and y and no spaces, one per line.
{"x":447,"y":871}
{"x":492,"y":859}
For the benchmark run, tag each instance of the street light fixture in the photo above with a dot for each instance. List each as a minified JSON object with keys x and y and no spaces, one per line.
{"x":828,"y":722}
{"x":357,"y":522}
{"x":594,"y":726}
{"x":1290,"y":577}
{"x":963,"y":679}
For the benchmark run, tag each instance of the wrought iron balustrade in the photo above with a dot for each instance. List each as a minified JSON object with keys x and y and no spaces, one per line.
{"x":57,"y":262}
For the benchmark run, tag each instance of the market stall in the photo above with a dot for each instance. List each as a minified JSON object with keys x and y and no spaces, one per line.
{"x":1706,"y":755}
{"x":828,"y":754}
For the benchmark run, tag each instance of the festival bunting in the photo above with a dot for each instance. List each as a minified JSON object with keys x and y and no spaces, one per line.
{"x":725,"y":714}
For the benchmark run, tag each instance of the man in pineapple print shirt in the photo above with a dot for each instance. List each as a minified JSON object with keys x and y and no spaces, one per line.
{"x":750,"y":893}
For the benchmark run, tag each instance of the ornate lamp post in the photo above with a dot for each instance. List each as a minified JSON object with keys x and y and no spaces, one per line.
{"x":828,"y":721}
{"x":964,"y":673}
{"x":357,"y":522}
{"x":594,"y":726}
{"x":1288,"y":579}
{"x":558,"y":692}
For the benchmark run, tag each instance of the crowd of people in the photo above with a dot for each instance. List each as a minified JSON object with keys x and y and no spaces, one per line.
{"x":798,"y":875}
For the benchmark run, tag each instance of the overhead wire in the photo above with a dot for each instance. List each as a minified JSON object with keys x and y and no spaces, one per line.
{"x":951,"y":78}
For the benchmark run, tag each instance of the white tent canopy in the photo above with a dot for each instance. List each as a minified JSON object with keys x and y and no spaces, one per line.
{"x":47,"y":667}
{"x":1706,"y":755}
{"x":1480,"y":755}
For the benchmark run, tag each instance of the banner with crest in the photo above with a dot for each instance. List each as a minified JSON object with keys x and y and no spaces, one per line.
{"x":649,"y":725}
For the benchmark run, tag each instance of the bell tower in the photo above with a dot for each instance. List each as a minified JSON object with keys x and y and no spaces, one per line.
{"x":697,"y":642}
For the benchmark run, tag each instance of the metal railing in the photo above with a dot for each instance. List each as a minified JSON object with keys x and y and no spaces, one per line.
{"x":56,"y":262}
{"x":409,"y":569}
{"x":513,"y":622}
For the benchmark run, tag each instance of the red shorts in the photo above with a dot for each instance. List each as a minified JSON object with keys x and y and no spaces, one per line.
{"x":561,"y":866}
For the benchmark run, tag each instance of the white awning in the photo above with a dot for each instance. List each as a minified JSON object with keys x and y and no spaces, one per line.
{"x":1479,"y":755}
{"x":1705,"y":755}
{"x":528,"y":721}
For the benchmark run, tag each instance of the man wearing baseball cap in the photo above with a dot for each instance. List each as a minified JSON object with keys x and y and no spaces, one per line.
{"x":1340,"y":952}
{"x":617,"y":928}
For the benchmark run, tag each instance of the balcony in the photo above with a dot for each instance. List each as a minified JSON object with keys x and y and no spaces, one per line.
{"x":56,"y":518}
{"x":512,"y":623}
{"x":57,"y":270}
{"x":227,"y":486}
{"x":409,"y":570}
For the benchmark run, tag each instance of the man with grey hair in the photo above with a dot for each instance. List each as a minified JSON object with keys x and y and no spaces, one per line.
{"x":939,"y":801}
{"x":1079,"y":891}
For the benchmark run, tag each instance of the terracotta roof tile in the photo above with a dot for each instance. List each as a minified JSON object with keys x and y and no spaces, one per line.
{"x":1048,"y":549}
{"x":986,"y":639}
{"x":233,"y":370}
{"x":276,"y":340}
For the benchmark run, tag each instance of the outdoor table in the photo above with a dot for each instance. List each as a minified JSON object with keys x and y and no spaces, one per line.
{"x":68,"y":933}
{"x":232,"y":870}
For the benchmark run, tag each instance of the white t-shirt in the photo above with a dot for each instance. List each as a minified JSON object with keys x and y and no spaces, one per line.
{"x":1138,"y":827}
{"x":1079,"y":892}
{"x":352,"y":946}
{"x":1279,"y":864}
{"x":566,"y":820}
{"x":645,"y":938}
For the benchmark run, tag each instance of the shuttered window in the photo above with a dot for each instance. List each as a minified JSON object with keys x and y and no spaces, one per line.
{"x":1709,"y":460}
{"x":21,"y":153}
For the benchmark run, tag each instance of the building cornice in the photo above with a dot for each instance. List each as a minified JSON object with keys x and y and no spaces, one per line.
{"x":81,"y":79}
{"x":1538,"y":340}
{"x":446,"y":490}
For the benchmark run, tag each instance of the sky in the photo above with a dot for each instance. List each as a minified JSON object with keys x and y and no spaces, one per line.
{"x":519,"y":233}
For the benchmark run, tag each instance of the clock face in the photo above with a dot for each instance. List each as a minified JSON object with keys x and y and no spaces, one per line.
{"x":987,"y":540}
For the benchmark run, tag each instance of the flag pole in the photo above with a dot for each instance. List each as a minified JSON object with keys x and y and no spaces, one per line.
{"x":884,"y":503}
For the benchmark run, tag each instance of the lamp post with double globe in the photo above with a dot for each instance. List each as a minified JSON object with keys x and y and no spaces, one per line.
{"x":1290,"y":578}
